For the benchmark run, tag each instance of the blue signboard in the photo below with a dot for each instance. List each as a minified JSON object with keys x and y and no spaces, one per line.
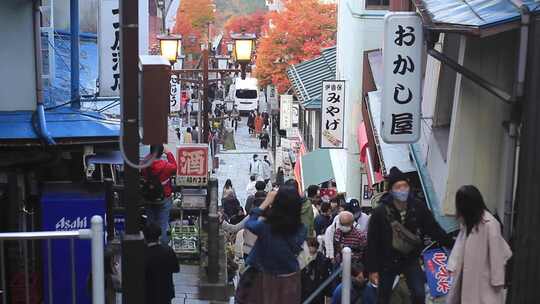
{"x":437,"y":274}
{"x":69,"y":208}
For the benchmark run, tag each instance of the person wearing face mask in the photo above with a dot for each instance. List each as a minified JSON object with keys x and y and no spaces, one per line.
{"x":345,"y":232}
{"x":396,"y":229}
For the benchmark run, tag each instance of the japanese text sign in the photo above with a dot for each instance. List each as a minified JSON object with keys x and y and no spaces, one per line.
{"x":175,"y":94}
{"x":333,"y":116}
{"x":437,"y":275}
{"x":192,"y":165}
{"x":109,"y":48}
{"x":402,"y":63}
{"x":286,"y":112}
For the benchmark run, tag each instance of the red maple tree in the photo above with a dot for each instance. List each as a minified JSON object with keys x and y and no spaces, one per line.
{"x":296,"y":34}
{"x":252,"y":23}
{"x":193,"y":19}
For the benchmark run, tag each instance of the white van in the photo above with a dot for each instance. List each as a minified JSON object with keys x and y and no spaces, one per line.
{"x":245,"y":94}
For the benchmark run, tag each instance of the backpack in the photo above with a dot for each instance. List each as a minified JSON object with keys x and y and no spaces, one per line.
{"x":151,"y":187}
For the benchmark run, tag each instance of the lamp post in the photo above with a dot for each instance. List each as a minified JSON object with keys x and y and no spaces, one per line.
{"x":243,"y":50}
{"x":170,"y":46}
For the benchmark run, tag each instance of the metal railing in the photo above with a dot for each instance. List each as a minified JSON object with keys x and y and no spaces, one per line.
{"x":95,"y":234}
{"x":345,"y":270}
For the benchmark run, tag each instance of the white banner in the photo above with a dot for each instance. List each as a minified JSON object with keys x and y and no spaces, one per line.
{"x":286,"y":112}
{"x":272,"y":97}
{"x":175,"y":94}
{"x":402,"y":63}
{"x":109,"y":48}
{"x":296,"y":112}
{"x":333,"y":116}
{"x":109,"y":44}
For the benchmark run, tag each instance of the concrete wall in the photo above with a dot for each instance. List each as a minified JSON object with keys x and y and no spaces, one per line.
{"x":477,"y":143}
{"x":358,"y":30}
{"x":17,"y":68}
{"x":477,"y":135}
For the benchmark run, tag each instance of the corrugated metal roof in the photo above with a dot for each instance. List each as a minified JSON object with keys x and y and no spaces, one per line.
{"x":476,"y":14}
{"x":313,"y":103}
{"x":306,"y":77}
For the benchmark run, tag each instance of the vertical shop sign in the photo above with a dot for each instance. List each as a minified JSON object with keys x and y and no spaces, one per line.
{"x":402,"y":61}
{"x":333,"y":116}
{"x":192,"y":165}
{"x":175,"y":94}
{"x":286,"y":112}
{"x":109,"y":48}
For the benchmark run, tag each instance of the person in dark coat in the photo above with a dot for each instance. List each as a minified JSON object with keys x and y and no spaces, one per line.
{"x":255,"y":200}
{"x":384,"y":262}
{"x":280,"y":176}
{"x":231,"y":205}
{"x":160,"y":264}
{"x":251,"y":122}
{"x":324,"y":219}
{"x":315,"y":273}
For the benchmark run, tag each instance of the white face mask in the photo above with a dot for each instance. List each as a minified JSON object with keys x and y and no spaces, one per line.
{"x":346,"y":229}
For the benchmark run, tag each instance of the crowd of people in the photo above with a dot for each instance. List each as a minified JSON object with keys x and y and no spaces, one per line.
{"x":287,"y":243}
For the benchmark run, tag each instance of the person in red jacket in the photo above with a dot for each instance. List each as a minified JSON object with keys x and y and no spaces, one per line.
{"x":159,"y":211}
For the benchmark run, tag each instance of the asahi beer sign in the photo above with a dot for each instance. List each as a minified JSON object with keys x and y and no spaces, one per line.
{"x":402,"y":51}
{"x":333,"y":116}
{"x":109,"y":48}
{"x":286,"y":112}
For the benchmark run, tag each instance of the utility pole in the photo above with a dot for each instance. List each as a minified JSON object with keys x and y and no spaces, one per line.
{"x":206,"y":102}
{"x":133,"y":246}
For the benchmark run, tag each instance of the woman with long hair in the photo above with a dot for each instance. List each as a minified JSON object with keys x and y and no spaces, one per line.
{"x":228,"y":186}
{"x":273,"y":268}
{"x":480,"y":253}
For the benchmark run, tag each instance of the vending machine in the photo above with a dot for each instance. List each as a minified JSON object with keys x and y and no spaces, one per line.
{"x":67,"y":206}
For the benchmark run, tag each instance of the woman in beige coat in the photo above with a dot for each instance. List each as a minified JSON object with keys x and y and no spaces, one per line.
{"x":479,"y":255}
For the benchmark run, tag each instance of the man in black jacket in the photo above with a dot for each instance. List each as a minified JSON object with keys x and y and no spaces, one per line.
{"x":255,"y":200}
{"x":161,"y":263}
{"x":384,"y":262}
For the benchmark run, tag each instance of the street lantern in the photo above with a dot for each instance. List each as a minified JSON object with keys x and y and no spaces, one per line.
{"x":243,"y":49}
{"x":170,"y":46}
{"x":179,"y":62}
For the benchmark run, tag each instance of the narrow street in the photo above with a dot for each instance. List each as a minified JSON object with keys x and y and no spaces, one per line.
{"x":233,"y":164}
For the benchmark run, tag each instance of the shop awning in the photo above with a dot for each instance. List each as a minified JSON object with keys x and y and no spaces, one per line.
{"x":316,"y":168}
{"x":306,"y":77}
{"x":479,"y":17}
{"x":313,"y":104}
{"x":365,"y":156}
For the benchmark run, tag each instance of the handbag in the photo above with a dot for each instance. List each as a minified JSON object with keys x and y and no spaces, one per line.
{"x":403,"y":240}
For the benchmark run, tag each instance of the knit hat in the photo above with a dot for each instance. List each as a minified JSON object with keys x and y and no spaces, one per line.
{"x":395,"y":176}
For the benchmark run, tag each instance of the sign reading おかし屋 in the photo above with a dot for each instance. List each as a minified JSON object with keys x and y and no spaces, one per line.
{"x":402,"y":61}
{"x":333,"y":116}
{"x":192,"y":165}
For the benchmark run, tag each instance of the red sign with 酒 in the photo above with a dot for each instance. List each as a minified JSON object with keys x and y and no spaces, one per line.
{"x":192,"y":165}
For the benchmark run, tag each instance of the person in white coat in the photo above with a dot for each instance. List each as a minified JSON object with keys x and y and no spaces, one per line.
{"x":266,"y":169}
{"x":361,"y":224}
{"x":479,"y":256}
